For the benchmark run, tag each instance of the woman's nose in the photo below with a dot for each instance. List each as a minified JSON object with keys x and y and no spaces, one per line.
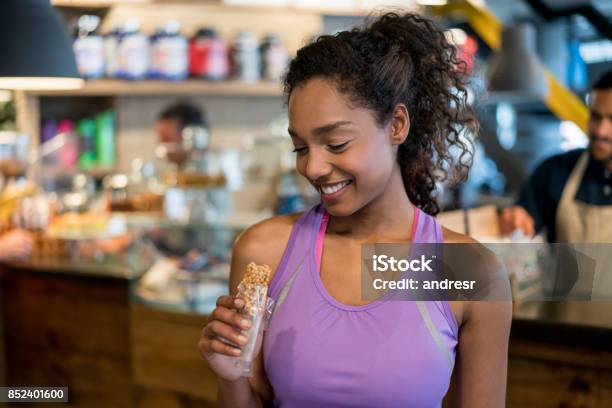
{"x":317,"y":166}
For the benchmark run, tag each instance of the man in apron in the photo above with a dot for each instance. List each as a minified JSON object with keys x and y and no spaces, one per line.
{"x":570,"y":195}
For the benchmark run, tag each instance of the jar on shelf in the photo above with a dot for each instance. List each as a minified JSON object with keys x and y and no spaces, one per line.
{"x":274,"y":57}
{"x":89,"y":48}
{"x":246,"y":58}
{"x":133,"y":52}
{"x":111,"y":53}
{"x":208,"y":56}
{"x":169,"y":59}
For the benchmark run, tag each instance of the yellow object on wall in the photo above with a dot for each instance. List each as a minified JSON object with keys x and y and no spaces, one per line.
{"x":560,"y":100}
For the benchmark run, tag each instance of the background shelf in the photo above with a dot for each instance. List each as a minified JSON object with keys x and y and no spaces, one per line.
{"x":111,"y":87}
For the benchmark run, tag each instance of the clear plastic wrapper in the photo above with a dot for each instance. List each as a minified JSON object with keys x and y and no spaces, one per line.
{"x":256,"y":313}
{"x":254,"y":291}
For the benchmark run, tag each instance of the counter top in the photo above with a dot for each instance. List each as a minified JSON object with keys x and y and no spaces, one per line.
{"x":81,"y":268}
{"x":572,"y":323}
{"x":128,"y":263}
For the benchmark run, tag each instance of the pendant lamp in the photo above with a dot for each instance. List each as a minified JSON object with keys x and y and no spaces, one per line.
{"x":515,"y":72}
{"x":35,"y":47}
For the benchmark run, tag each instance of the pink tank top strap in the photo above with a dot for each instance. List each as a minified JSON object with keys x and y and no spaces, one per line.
{"x":427,"y":229}
{"x":320,"y":235}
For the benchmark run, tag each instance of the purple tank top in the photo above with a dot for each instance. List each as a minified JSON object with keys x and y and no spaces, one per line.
{"x":319,"y":352}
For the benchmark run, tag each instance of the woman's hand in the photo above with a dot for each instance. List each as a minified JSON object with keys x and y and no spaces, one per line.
{"x":16,"y":244}
{"x":222,"y":338}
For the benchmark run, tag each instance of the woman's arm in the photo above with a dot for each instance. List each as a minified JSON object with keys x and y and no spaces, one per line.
{"x":482,"y":358}
{"x":237,"y":394}
{"x":263,"y":243}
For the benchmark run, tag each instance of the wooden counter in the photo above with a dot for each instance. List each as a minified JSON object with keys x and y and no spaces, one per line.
{"x":66,"y":329}
{"x":561,"y":355}
{"x":167,"y":368}
{"x":85,"y":331}
{"x":77,"y":326}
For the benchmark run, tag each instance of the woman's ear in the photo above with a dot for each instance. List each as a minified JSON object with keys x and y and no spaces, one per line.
{"x":399,"y":125}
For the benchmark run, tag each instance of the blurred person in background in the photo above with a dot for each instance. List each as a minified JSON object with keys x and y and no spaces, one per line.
{"x":16,"y":244}
{"x":570,"y":194}
{"x":170,"y":125}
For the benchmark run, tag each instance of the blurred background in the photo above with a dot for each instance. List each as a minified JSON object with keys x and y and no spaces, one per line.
{"x":138,"y":138}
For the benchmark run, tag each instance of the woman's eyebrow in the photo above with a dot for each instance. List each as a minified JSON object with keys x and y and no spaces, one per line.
{"x":322,"y":130}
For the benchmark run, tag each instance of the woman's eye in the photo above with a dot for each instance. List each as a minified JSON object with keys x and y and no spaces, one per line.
{"x":337,"y":147}
{"x":299,"y":150}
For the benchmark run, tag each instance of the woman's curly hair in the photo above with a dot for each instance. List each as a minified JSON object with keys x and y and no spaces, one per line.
{"x":404,"y":59}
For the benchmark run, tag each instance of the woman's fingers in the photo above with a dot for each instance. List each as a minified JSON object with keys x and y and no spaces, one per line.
{"x":211,"y":346}
{"x":210,"y":343}
{"x":230,"y":317}
{"x":230,"y":302}
{"x":217,"y":346}
{"x":223,"y":332}
{"x":217,"y":328}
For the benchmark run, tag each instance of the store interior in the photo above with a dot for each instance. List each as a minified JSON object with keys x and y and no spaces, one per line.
{"x":135,"y":167}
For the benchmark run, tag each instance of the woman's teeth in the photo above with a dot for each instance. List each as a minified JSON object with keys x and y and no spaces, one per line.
{"x":330,"y":189}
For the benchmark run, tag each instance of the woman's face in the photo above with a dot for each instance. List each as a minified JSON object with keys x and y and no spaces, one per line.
{"x":340,"y":148}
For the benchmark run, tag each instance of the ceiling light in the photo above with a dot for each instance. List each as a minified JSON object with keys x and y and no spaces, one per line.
{"x":35,"y":47}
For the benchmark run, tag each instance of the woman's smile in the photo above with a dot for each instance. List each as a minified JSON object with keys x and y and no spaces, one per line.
{"x":332,"y":191}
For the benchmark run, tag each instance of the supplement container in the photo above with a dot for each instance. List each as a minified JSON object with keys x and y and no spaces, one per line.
{"x":89,"y":48}
{"x":246,"y":57}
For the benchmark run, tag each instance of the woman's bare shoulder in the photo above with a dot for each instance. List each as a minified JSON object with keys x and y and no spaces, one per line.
{"x":267,"y":235}
{"x":453,"y":237}
{"x":263,"y":243}
{"x":485,"y":265}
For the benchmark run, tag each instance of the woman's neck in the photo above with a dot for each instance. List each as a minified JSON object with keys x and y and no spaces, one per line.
{"x":388,"y":218}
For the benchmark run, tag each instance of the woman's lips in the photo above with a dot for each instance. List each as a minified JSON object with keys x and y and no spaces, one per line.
{"x":330,"y":191}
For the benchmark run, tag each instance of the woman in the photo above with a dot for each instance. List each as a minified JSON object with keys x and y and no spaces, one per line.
{"x":372,"y":114}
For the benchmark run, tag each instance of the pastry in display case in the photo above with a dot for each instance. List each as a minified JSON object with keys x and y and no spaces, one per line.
{"x":87,"y":225}
{"x":33,"y":213}
{"x":22,"y":204}
{"x":127,"y":194}
{"x":14,"y":149}
{"x":30,"y":210}
{"x":198,"y":187}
